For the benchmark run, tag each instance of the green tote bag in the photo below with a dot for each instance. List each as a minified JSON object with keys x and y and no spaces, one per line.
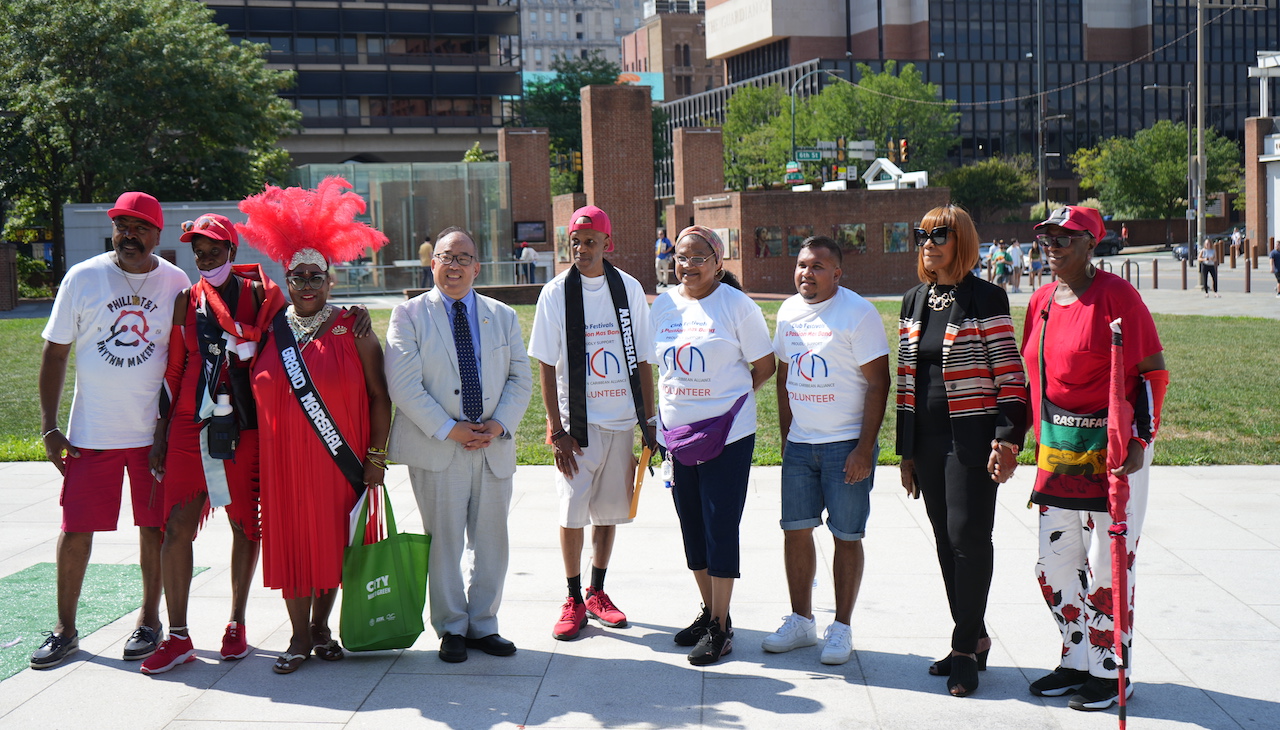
{"x":384,"y":584}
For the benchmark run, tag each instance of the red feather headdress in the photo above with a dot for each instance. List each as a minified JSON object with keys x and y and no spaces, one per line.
{"x":285,"y":221}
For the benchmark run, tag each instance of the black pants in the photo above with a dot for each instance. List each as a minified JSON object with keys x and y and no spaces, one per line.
{"x":1205,"y":272}
{"x":961,"y":503}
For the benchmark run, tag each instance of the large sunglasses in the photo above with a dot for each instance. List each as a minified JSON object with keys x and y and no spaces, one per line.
{"x":1047,"y":242}
{"x":937,"y":235}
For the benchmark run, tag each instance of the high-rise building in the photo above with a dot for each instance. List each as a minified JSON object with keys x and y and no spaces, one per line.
{"x":387,"y":82}
{"x":1098,"y":57}
{"x":672,"y":42}
{"x":554,"y":29}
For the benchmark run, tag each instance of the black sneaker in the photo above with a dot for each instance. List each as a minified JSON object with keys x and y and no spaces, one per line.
{"x":712,"y":645}
{"x":1059,"y":682}
{"x":54,"y":650}
{"x":689,"y":636}
{"x":142,"y":644}
{"x":1099,"y":694}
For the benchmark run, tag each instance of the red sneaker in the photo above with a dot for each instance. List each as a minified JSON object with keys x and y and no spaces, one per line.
{"x":573,"y":616}
{"x":172,"y":652}
{"x":600,"y":608}
{"x":234,"y":645}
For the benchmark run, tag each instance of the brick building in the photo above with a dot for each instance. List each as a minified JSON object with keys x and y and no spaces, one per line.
{"x":763,"y":232}
{"x":675,"y":45}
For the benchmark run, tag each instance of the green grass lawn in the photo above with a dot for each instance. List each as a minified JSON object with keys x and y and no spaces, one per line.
{"x":1222,"y":407}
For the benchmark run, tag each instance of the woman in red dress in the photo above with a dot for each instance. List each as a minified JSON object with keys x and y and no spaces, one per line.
{"x":306,"y":495}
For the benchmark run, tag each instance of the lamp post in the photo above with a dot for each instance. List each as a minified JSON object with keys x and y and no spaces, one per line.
{"x":1200,"y":159}
{"x":1044,"y":185}
{"x":1191,"y":176}
{"x":794,"y":84}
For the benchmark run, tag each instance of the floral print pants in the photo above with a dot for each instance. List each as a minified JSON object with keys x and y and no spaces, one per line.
{"x":1074,"y":572}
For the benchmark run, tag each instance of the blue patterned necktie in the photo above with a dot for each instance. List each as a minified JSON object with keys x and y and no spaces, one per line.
{"x":472,"y":398}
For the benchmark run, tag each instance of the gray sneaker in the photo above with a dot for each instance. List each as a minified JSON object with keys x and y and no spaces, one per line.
{"x":142,"y":644}
{"x":54,"y":649}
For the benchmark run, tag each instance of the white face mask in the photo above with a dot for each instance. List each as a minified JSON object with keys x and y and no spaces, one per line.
{"x":218,"y":276}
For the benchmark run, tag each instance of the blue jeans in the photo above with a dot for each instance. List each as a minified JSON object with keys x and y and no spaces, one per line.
{"x":813,"y":479}
{"x":709,"y":501}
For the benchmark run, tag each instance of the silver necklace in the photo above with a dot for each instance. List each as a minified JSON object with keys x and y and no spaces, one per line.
{"x":939,"y":302}
{"x":304,"y":328}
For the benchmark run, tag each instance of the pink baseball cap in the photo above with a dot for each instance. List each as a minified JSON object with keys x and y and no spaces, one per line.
{"x":1077,"y":218}
{"x":595,"y":220}
{"x":138,"y":205}
{"x":212,"y":225}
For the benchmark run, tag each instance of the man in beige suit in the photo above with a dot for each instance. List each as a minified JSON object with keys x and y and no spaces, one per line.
{"x":460,"y":380}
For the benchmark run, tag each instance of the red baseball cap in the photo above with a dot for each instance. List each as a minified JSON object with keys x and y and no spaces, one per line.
{"x":1077,"y":218}
{"x":589,"y":217}
{"x":138,"y":205}
{"x":212,"y":225}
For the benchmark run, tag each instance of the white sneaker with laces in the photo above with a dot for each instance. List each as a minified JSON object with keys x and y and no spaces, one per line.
{"x":839,"y":647}
{"x":796,"y":631}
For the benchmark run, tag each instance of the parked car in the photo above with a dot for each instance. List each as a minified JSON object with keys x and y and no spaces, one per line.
{"x":1180,"y":252}
{"x":1110,"y":244}
{"x":1225,"y":236}
{"x":984,"y":254}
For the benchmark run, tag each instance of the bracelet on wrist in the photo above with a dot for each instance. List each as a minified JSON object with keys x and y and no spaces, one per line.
{"x":377,"y":451}
{"x":45,"y":435}
{"x":997,"y":443}
{"x":558,"y":434}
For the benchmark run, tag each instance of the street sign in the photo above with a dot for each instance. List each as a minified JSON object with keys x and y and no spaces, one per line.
{"x":794,"y":177}
{"x":808,"y":155}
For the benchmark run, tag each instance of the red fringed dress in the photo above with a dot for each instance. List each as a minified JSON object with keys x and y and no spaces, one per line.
{"x":184,"y":469}
{"x":305,"y":498}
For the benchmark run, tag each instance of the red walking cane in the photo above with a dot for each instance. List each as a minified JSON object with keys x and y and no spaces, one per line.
{"x":1119,"y":430}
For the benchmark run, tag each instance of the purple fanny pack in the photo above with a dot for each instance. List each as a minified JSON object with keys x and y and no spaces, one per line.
{"x":701,"y":441}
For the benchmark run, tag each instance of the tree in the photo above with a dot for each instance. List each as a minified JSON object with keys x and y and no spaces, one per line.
{"x":885,"y":107}
{"x":475,"y":154}
{"x":1146,"y":176}
{"x":994,"y":184}
{"x":112,"y":95}
{"x":755,"y":145}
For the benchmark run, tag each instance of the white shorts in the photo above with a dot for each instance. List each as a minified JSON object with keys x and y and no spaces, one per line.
{"x":600,"y":493}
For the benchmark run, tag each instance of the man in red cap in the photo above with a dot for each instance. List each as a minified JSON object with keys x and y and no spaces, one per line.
{"x":591,"y":334}
{"x":115,"y":309}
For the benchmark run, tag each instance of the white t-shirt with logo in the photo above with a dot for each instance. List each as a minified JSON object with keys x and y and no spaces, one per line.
{"x":704,"y":349}
{"x":119,"y":325}
{"x":609,"y":402}
{"x":825,"y":346}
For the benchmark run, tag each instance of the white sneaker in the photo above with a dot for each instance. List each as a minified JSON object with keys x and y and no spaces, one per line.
{"x":839,"y":648}
{"x":796,"y":631}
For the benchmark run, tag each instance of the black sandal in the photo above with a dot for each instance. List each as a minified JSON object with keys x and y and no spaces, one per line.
{"x":964,"y":676}
{"x":942,"y":667}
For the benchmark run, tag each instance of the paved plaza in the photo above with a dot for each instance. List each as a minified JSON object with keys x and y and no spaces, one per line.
{"x":1208,"y":628}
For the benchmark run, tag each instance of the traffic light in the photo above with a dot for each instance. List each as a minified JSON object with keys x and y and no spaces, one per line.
{"x":902,"y":150}
{"x":577,"y":161}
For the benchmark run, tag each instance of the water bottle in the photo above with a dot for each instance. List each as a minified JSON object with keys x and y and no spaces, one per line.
{"x":668,"y":472}
{"x":222,"y":430}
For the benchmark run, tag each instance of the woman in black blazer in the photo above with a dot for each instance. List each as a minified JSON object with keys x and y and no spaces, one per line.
{"x":961,"y":405}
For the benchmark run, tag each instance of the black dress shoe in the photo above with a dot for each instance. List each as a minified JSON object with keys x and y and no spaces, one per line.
{"x":453,"y":648}
{"x":492,"y":644}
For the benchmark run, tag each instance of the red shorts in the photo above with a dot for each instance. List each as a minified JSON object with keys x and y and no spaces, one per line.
{"x":91,"y":490}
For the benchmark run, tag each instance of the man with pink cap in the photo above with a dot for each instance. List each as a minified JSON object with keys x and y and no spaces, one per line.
{"x":591,"y":334}
{"x":115,"y":309}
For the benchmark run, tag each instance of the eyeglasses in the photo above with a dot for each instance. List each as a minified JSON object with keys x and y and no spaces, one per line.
{"x":693,"y":260}
{"x":1058,"y":241}
{"x":462,"y":259}
{"x":137,"y":229}
{"x":315,"y":281}
{"x":937,"y":235}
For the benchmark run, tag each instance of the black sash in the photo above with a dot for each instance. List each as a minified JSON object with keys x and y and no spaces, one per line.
{"x":213,"y":351}
{"x":575,"y":323}
{"x":313,"y":405}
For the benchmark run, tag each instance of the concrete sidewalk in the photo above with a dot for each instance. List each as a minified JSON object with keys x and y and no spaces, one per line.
{"x":1208,"y":628}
